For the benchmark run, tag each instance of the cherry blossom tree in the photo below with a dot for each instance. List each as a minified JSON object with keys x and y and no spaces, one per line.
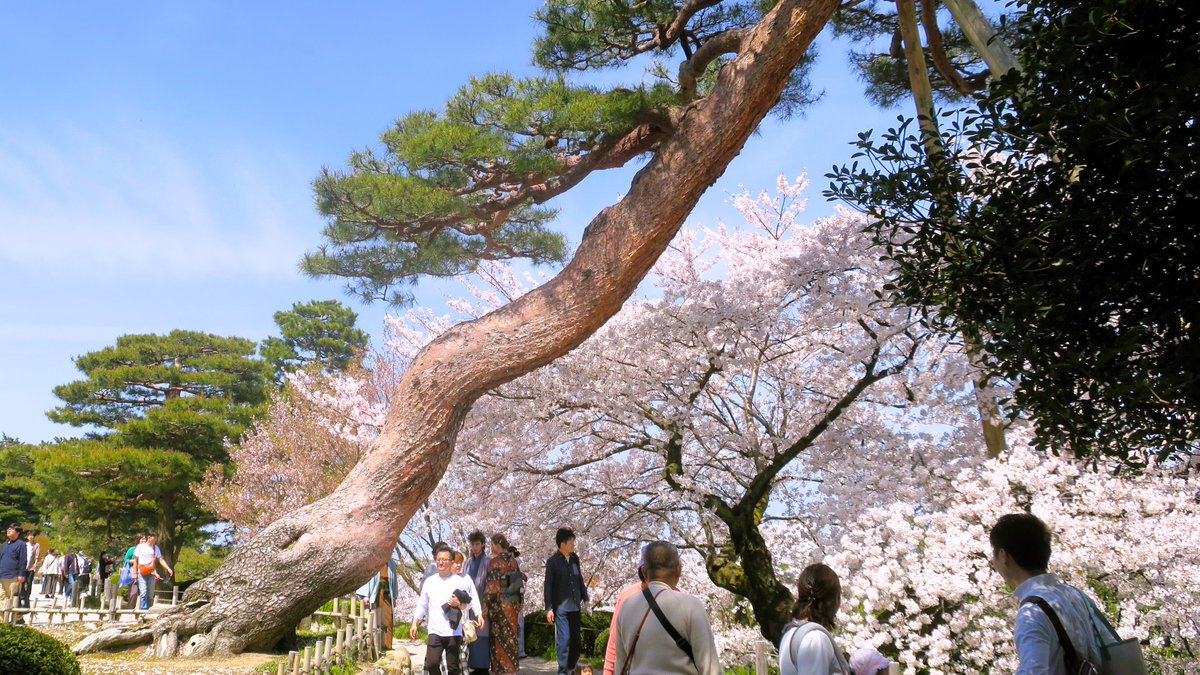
{"x":919,"y":586}
{"x":768,"y":375}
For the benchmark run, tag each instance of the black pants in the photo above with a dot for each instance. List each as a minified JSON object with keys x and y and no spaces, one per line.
{"x":452,"y":646}
{"x":26,"y":590}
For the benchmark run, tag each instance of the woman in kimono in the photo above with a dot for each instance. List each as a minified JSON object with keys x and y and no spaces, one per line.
{"x":503,"y":604}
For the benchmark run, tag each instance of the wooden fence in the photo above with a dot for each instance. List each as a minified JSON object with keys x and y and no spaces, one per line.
{"x":358,"y":629}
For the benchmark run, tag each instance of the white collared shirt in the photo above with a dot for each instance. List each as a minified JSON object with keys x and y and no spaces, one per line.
{"x":1038,"y":647}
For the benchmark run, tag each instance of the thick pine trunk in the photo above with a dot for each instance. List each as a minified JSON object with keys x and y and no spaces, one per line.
{"x":332,"y":546}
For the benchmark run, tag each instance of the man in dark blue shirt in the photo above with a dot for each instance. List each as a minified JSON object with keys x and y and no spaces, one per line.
{"x":566,"y":596}
{"x":14,"y":558}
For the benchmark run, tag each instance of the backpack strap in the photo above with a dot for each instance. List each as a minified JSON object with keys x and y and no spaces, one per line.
{"x":1070,"y":656}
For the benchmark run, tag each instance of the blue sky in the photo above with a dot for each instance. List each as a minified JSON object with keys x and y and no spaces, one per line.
{"x":155,"y":160}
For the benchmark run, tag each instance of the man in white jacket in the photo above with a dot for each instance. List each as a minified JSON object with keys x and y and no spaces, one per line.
{"x":644,"y":643}
{"x":1020,"y":554}
{"x":437,"y":597}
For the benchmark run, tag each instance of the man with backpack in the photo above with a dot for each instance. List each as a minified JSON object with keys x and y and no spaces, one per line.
{"x":1055,"y":631}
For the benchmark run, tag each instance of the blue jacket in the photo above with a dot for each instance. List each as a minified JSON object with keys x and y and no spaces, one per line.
{"x":14,"y":559}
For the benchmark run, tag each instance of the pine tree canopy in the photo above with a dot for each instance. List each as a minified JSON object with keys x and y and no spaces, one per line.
{"x":447,"y":189}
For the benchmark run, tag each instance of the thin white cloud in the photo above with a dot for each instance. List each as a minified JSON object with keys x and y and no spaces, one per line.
{"x":127,"y":202}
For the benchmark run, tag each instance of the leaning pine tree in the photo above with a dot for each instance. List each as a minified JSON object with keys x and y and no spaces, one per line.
{"x":466,"y":184}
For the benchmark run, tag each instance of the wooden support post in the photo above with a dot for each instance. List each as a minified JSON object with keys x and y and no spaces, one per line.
{"x":281,"y":669}
{"x":894,"y":668}
{"x":760,"y":658}
{"x":318,"y":654}
{"x":340,"y":644}
{"x":174,"y":594}
{"x":329,"y":653}
{"x":293,"y":662}
{"x":345,"y":615}
{"x":308,"y":659}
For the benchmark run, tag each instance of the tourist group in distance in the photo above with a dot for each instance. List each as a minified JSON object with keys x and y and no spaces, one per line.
{"x":73,"y":576}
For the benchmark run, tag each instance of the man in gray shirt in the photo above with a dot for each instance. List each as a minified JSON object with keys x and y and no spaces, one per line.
{"x":645,"y":646}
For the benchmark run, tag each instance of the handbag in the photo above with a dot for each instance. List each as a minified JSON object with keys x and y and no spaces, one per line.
{"x":1119,"y":657}
{"x":470,"y":631}
{"x":147,"y":569}
{"x":1076,"y":663}
{"x":126,"y":575}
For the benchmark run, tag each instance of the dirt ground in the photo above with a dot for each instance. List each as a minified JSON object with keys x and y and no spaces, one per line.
{"x":136,"y":661}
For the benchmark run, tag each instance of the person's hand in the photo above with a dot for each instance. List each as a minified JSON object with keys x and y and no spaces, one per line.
{"x":412,"y":632}
{"x":481,"y":623}
{"x":550,"y":617}
{"x":454,"y":601}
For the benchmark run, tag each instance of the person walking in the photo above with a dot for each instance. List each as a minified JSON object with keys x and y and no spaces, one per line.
{"x":503,"y":603}
{"x":661,"y":629}
{"x":146,"y":558}
{"x":14,"y":560}
{"x":807,"y":646}
{"x":34,"y":552}
{"x":441,"y":604}
{"x":1049,"y":608}
{"x":69,"y":570}
{"x":565,"y":595}
{"x":131,"y":598}
{"x":479,"y":653}
{"x":50,"y":573}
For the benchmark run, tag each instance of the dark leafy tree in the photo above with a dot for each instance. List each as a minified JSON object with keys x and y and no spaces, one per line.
{"x":18,"y":487}
{"x":165,"y":405}
{"x":1072,"y":254}
{"x":318,"y":333}
{"x":448,"y":189}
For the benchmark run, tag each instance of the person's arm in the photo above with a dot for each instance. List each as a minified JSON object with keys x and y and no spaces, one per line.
{"x":1036,"y":641}
{"x":24,"y":555}
{"x":610,"y":649}
{"x":548,"y":589}
{"x":704,"y":647}
{"x":161,"y":560}
{"x":419,"y":612}
{"x":583,"y":594}
{"x":477,"y":602}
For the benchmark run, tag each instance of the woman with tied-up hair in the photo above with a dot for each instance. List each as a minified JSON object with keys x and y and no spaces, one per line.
{"x":808,"y":647}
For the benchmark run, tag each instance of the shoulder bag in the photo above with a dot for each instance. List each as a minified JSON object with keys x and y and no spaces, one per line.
{"x":1119,"y":657}
{"x":1075,"y":662}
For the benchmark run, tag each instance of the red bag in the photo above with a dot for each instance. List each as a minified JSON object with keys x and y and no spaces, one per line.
{"x":146,"y":570}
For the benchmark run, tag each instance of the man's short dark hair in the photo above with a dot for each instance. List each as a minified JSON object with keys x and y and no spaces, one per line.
{"x":477,"y":537}
{"x":151,"y":534}
{"x":1025,"y":538}
{"x":660,"y":560}
{"x":440,"y":546}
{"x":15,"y":526}
{"x":563,"y":535}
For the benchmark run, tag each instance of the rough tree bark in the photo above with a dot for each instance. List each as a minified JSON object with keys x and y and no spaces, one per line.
{"x":332,"y":546}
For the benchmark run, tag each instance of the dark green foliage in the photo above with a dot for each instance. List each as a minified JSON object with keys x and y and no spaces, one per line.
{"x":317,"y":332}
{"x":169,"y":402}
{"x":179,"y":371}
{"x":1072,"y":253}
{"x":539,"y":635}
{"x":18,"y":487}
{"x":28,"y":652}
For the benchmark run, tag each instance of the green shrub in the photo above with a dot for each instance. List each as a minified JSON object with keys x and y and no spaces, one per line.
{"x":194,"y":565}
{"x":26,"y":651}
